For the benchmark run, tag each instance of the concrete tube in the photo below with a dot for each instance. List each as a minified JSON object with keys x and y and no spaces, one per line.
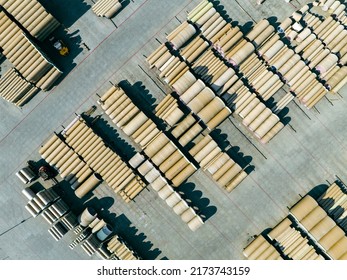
{"x":159,"y":183}
{"x":266,"y":126}
{"x":272,"y":132}
{"x":88,"y":185}
{"x":188,"y":215}
{"x":173,"y":199}
{"x":165,"y":192}
{"x":195,"y":223}
{"x":180,"y":207}
{"x":87,"y":216}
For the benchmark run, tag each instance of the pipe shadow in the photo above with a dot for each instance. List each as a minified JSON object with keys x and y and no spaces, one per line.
{"x":124,"y":228}
{"x":67,"y":13}
{"x":195,"y":199}
{"x":110,"y":137}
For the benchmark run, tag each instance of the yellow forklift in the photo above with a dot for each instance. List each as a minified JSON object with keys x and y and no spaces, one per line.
{"x":60,"y":46}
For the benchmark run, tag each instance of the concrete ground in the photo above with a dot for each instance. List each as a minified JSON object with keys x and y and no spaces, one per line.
{"x":310,"y":151}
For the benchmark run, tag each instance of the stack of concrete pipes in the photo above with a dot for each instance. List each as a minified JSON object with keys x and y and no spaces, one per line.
{"x":181,"y":35}
{"x":323,"y":229}
{"x":162,"y":186}
{"x":284,"y":239}
{"x":53,"y":209}
{"x":13,"y":88}
{"x":334,"y":202}
{"x":106,"y":8}
{"x":120,"y":250}
{"x":39,"y":201}
{"x":222,"y":168}
{"x":32,"y":16}
{"x":26,"y":58}
{"x":200,"y":99}
{"x":127,"y":116}
{"x":261,"y":249}
{"x":112,"y":169}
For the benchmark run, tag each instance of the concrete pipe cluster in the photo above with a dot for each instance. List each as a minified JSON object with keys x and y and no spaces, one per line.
{"x":32,"y":16}
{"x":315,"y":234}
{"x":175,"y":201}
{"x":169,"y":159}
{"x":315,"y":220}
{"x":104,"y":161}
{"x":15,"y":89}
{"x":261,"y":249}
{"x":26,"y":58}
{"x":120,"y":250}
{"x":227,"y":173}
{"x":39,"y":201}
{"x":193,"y":50}
{"x":338,"y":208}
{"x":127,"y":116}
{"x":106,"y":8}
{"x":181,"y":35}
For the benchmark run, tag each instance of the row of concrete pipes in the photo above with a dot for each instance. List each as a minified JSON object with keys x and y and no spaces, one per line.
{"x":317,"y":219}
{"x":82,"y":158}
{"x":106,"y":8}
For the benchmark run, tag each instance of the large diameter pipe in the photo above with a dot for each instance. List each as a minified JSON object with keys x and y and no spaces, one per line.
{"x":88,"y":185}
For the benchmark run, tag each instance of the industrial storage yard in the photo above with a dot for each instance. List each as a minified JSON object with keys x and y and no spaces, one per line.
{"x":190,"y":137}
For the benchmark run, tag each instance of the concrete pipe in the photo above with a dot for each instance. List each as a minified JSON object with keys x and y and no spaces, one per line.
{"x":285,"y":24}
{"x":223,"y":79}
{"x":272,"y":132}
{"x":156,"y":145}
{"x":50,"y":146}
{"x":152,"y":175}
{"x":173,"y":118}
{"x":219,"y":161}
{"x":164,"y":153}
{"x":258,"y":29}
{"x":69,"y":153}
{"x":229,"y":41}
{"x":180,"y":39}
{"x":331,"y":238}
{"x":159,"y":183}
{"x":222,"y":169}
{"x":229,"y":174}
{"x":211,"y":22}
{"x":327,"y":63}
{"x":188,"y":215}
{"x":195,"y":223}
{"x":236,"y":181}
{"x":303,"y":207}
{"x":170,"y":161}
{"x":180,"y":207}
{"x":205,"y":151}
{"x":219,"y":118}
{"x":183,"y":126}
{"x":136,"y":160}
{"x":173,"y":199}
{"x":165,"y":192}
{"x":57,"y":153}
{"x":103,"y":233}
{"x":190,"y":134}
{"x":197,"y":9}
{"x":264,"y":36}
{"x":176,"y":168}
{"x":201,"y":100}
{"x":338,"y":249}
{"x":88,"y":185}
{"x":24,"y":179}
{"x":145,"y":167}
{"x":204,"y":15}
{"x":80,"y":177}
{"x":210,"y":158}
{"x":201,"y":12}
{"x":211,"y":109}
{"x":184,"y":82}
{"x":213,"y":30}
{"x":28,"y":192}
{"x":197,"y":52}
{"x":243,"y":113}
{"x":305,"y":43}
{"x":111,"y":12}
{"x":120,"y":121}
{"x":254,"y":246}
{"x":322,"y":227}
{"x":266,"y":126}
{"x":152,"y":58}
{"x":72,"y":169}
{"x":87,"y":216}
{"x":146,"y":135}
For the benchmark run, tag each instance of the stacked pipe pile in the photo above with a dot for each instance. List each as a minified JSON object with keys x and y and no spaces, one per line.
{"x":334,"y":202}
{"x":213,"y":67}
{"x":161,"y":185}
{"x":226,"y":172}
{"x":27,"y":59}
{"x":127,"y":116}
{"x":106,"y":8}
{"x":261,"y":249}
{"x":82,"y":158}
{"x":330,"y":237}
{"x":165,"y":155}
{"x":292,"y":243}
{"x":199,"y":98}
{"x":13,"y":88}
{"x":119,"y":249}
{"x":32,"y":16}
{"x":48,"y":204}
{"x":310,"y":231}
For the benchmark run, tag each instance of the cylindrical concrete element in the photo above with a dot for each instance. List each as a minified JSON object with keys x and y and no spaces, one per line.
{"x":180,"y":207}
{"x":188,"y":215}
{"x":103,"y":233}
{"x":266,"y":126}
{"x":87,"y":216}
{"x":88,"y":185}
{"x":195,"y":223}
